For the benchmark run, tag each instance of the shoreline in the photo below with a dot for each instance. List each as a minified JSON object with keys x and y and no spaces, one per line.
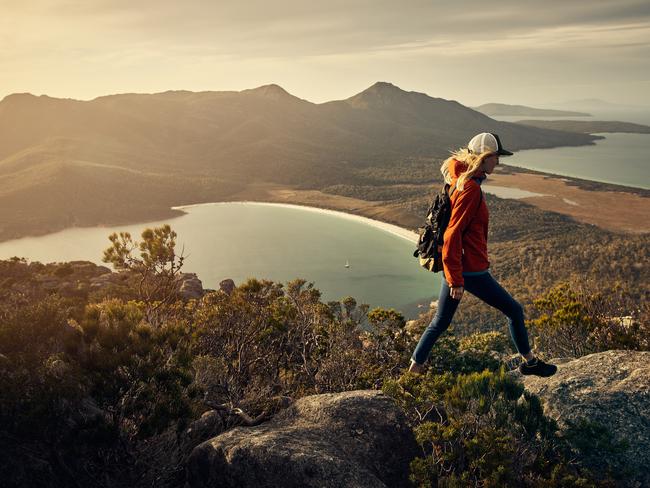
{"x":606,"y":208}
{"x":611,"y":207}
{"x":584,"y":184}
{"x":590,"y":185}
{"x":396,"y":230}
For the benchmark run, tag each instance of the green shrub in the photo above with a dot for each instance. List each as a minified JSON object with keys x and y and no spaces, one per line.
{"x":264,"y":340}
{"x":87,"y":386}
{"x":447,"y":356}
{"x":140,"y":372}
{"x":595,"y":448}
{"x":481,"y":429}
{"x":486,"y":342}
{"x":572,"y":321}
{"x":64,"y":270}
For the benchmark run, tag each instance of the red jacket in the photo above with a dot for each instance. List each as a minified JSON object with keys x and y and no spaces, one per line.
{"x":465,"y":240}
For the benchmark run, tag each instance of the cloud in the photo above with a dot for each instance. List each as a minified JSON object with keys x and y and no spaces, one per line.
{"x":210,"y":44}
{"x":257,"y":27}
{"x":578,"y":37}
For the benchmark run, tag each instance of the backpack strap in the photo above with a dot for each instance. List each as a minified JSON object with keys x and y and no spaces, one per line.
{"x":452,"y":188}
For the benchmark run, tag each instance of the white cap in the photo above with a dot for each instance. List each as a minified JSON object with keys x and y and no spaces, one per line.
{"x":487,"y":142}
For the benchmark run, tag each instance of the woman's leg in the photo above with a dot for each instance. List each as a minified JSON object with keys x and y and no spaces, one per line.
{"x":485,"y":287}
{"x":445,"y":312}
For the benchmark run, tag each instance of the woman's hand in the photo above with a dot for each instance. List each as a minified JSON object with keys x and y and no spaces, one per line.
{"x":456,"y":292}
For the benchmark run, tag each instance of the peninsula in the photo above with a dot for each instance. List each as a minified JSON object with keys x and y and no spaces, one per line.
{"x":502,"y":109}
{"x":588,"y":127}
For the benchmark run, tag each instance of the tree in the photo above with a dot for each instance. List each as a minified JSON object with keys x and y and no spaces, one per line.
{"x":157,"y":268}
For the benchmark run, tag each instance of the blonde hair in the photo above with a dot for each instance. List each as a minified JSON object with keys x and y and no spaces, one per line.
{"x":473,"y":162}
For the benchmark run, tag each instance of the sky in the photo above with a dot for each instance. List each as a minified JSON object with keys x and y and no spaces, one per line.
{"x":539,"y":53}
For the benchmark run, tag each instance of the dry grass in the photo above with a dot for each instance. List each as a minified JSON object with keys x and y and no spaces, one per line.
{"x":615,"y":211}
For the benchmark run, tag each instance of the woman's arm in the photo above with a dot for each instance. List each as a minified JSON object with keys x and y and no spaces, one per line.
{"x":462,"y":211}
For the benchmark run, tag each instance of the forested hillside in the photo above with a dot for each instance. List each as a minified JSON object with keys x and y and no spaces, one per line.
{"x":130,"y":157}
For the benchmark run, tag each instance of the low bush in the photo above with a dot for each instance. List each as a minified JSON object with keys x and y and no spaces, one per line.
{"x":97,"y":389}
{"x":572,"y":320}
{"x":482,"y":429}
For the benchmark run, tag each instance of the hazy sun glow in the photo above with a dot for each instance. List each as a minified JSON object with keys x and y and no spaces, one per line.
{"x":513,"y":52}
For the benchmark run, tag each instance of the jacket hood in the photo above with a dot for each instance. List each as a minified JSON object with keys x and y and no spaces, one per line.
{"x":457,"y":168}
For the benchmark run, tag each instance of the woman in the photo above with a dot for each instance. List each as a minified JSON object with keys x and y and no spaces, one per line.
{"x":464,"y":253}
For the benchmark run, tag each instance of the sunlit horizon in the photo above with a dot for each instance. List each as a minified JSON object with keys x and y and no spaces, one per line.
{"x":513,"y":53}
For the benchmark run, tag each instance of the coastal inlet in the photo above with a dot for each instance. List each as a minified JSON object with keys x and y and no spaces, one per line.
{"x":276,"y":242}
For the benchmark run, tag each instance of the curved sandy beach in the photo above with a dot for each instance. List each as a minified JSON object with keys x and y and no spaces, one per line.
{"x":392,"y":229}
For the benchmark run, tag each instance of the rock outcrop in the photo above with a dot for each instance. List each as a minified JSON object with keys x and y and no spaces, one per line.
{"x":209,"y":425}
{"x":106,"y":279}
{"x":609,"y":388}
{"x":71,"y":279}
{"x":190,"y":286}
{"x":227,"y":286}
{"x":80,"y":278}
{"x":351,"y":439}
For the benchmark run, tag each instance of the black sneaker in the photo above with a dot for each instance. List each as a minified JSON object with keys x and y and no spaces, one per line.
{"x":537,"y":368}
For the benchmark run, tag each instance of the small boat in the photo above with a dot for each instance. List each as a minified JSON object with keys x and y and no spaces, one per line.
{"x":347,"y":264}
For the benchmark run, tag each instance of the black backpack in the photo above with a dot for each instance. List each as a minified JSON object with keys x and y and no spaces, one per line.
{"x":429,"y":247}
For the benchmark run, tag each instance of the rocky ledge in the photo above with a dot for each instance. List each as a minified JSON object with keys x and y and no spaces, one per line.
{"x":352,"y":439}
{"x":81,"y":278}
{"x":611,"y":389}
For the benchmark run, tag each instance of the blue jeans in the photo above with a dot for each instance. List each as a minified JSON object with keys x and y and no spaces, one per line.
{"x":485,"y":287}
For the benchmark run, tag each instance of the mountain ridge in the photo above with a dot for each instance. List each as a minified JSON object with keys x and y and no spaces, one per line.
{"x":501,"y":109}
{"x":234,"y":138}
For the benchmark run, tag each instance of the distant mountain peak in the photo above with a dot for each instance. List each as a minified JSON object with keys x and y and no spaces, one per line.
{"x":384,"y":89}
{"x":380,"y":94}
{"x":19,"y":96}
{"x":384,"y":85}
{"x":27,"y":100}
{"x":276,"y":92}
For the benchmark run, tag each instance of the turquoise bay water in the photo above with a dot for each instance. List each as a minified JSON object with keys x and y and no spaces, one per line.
{"x":239,"y":241}
{"x":623,"y":159}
